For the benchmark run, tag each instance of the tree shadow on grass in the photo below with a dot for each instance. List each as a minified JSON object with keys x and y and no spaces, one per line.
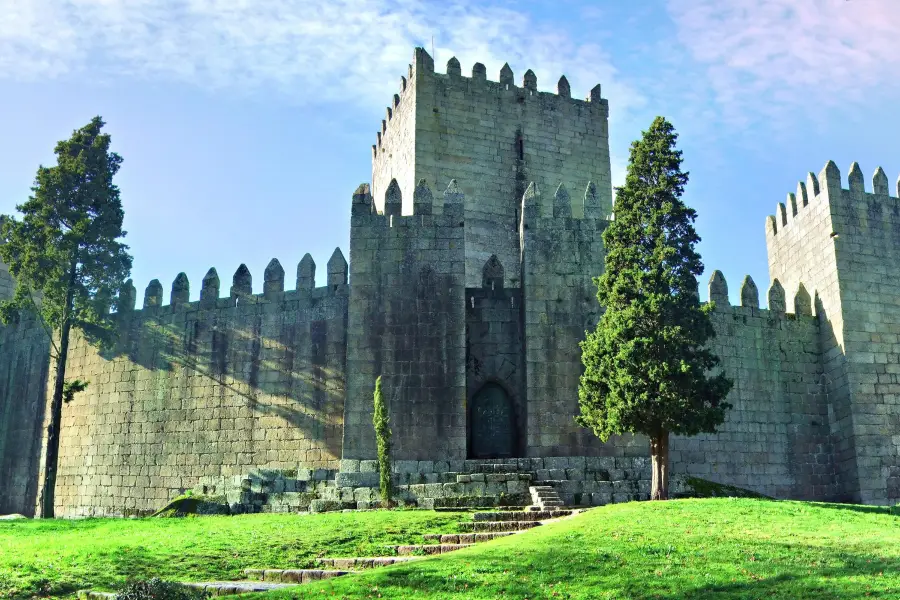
{"x":860,"y":508}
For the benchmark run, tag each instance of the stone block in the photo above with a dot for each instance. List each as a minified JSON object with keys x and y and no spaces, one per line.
{"x":349,"y":466}
{"x":353,"y":480}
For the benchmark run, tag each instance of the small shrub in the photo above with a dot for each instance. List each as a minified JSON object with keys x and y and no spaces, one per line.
{"x":158,"y":589}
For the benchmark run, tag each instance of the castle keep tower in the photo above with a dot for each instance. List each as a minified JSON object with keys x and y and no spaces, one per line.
{"x":471,"y":260}
{"x":493,"y":138}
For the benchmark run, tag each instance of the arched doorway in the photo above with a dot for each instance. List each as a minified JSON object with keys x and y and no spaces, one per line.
{"x":492,"y":424}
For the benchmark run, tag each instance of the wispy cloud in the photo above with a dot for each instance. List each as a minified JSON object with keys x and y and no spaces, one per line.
{"x":307,"y":50}
{"x":765,"y":58}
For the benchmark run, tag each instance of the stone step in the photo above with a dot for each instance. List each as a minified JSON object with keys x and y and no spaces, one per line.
{"x":363,"y":563}
{"x":94,"y":595}
{"x":292,"y":575}
{"x":492,"y":477}
{"x":494,"y":468}
{"x":228,"y":588}
{"x":539,"y":515}
{"x":465,"y":538}
{"x":428,"y":549}
{"x":477,"y":526}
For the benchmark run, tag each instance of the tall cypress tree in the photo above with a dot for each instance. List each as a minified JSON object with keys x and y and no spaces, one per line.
{"x":68,"y":262}
{"x":647,"y":364}
{"x":383,"y":441}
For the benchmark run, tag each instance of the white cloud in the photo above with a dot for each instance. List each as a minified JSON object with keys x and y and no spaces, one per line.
{"x":307,"y":50}
{"x":765,"y":58}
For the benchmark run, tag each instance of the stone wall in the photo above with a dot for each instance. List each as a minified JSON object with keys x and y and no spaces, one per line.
{"x":839,"y":246}
{"x":24,"y":367}
{"x":407,"y":324}
{"x":394,"y":151}
{"x":560,"y":256}
{"x":867,"y":247}
{"x":776,"y":439}
{"x":801,"y":252}
{"x":216,"y":388}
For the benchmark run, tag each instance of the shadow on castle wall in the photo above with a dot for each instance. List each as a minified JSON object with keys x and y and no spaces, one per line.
{"x":211,"y":388}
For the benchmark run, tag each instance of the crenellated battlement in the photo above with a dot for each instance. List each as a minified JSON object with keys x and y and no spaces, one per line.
{"x":453,"y":204}
{"x":825,"y":188}
{"x":478,"y":83}
{"x":240,"y":293}
{"x":801,"y":302}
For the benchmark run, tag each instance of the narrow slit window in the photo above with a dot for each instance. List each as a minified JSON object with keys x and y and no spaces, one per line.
{"x":520,"y":148}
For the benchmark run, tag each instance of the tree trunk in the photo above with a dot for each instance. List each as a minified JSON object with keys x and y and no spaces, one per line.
{"x":659,"y":454}
{"x":48,"y":492}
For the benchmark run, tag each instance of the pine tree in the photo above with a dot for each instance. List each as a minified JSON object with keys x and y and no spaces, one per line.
{"x":647,"y":364}
{"x":68,"y":263}
{"x":383,"y":441}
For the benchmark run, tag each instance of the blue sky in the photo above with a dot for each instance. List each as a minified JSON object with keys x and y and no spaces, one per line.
{"x":245,"y":125}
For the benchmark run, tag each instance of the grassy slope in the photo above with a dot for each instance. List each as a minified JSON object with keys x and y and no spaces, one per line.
{"x":726,"y":548}
{"x":58,"y":557}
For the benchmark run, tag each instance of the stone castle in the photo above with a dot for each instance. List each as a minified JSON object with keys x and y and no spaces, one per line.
{"x":468,"y":290}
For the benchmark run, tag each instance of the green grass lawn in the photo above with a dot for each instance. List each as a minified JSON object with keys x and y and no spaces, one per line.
{"x":56,"y":558}
{"x":720,"y":548}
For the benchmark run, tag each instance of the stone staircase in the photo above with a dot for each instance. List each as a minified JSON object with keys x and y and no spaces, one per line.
{"x":544,"y":498}
{"x":484,"y":527}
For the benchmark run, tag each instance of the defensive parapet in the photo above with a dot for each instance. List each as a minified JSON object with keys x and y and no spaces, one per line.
{"x":241,"y":290}
{"x":492,"y":137}
{"x":841,"y":244}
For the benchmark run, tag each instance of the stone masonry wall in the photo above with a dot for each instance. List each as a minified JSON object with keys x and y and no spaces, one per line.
{"x":867,"y":248}
{"x":24,"y":367}
{"x":216,"y":388}
{"x":407,"y":324}
{"x":393,"y":154}
{"x":842,"y":245}
{"x":776,"y":439}
{"x":801,"y":251}
{"x":493,"y":138}
{"x":560,"y":257}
